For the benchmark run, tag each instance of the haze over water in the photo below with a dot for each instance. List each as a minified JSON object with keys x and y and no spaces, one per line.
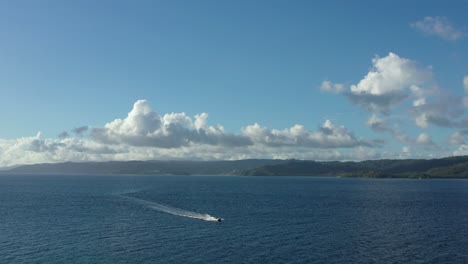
{"x":80,"y":219}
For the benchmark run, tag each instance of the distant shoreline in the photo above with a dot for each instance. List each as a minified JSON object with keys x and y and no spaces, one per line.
{"x":444,"y":168}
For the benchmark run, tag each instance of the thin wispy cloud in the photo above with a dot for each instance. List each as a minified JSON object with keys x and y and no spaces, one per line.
{"x":440,"y":27}
{"x":465,"y":83}
{"x":64,"y":134}
{"x":328,"y":86}
{"x":80,"y":130}
{"x":458,"y":137}
{"x":380,"y":125}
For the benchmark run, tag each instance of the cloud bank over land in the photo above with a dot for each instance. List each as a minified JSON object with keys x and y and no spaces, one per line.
{"x":146,"y":135}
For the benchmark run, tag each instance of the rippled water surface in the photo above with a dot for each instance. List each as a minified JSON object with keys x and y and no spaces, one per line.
{"x":125,"y":219}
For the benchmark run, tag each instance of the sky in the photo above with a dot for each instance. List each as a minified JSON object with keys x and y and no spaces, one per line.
{"x":225,"y":80}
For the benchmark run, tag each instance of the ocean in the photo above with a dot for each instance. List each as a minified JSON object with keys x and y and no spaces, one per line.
{"x":173,"y":219}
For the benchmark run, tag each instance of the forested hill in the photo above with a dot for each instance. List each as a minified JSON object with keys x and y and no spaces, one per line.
{"x":144,"y":167}
{"x":452,"y":167}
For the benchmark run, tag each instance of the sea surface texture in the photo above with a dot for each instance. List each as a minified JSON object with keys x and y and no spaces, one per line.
{"x":172,"y":219}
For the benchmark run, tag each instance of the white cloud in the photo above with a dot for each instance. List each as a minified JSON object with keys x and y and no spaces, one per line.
{"x":201,"y":121}
{"x":406,"y":152}
{"x":26,"y":151}
{"x":390,"y":74}
{"x":417,"y":91}
{"x":328,"y":136}
{"x":421,"y":120}
{"x":328,"y":86}
{"x":141,"y":121}
{"x":461,"y":151}
{"x":394,"y":79}
{"x":144,"y":127}
{"x":391,"y":81}
{"x":424,"y":139}
{"x":438,"y":26}
{"x":388,"y":83}
{"x":145,"y":135}
{"x":406,"y":149}
{"x":419,"y":102}
{"x":457,"y":138}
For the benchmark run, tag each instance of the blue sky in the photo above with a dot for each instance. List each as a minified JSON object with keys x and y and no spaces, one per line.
{"x":259,"y":69}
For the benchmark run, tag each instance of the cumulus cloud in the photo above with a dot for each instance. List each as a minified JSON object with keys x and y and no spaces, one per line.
{"x":390,"y":74}
{"x":424,"y":139}
{"x":396,"y":85}
{"x":144,"y":127}
{"x":328,"y":86}
{"x":422,"y":121}
{"x":458,"y":137}
{"x":328,"y":136}
{"x":27,"y":150}
{"x":145,"y":135}
{"x":388,"y":83}
{"x":461,"y":151}
{"x":406,"y":149}
{"x":393,"y":80}
{"x":438,"y":26}
{"x":31,"y":150}
{"x":419,"y":102}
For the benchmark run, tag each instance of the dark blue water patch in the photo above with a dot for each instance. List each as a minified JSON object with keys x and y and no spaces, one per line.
{"x":82,"y":219}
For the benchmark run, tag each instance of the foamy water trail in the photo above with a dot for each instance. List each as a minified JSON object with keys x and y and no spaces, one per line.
{"x":172,"y":210}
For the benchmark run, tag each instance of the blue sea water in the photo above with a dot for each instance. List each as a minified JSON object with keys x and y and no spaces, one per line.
{"x":116,"y":219}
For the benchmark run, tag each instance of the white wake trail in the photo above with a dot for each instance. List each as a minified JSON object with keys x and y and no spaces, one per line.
{"x":172,"y":210}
